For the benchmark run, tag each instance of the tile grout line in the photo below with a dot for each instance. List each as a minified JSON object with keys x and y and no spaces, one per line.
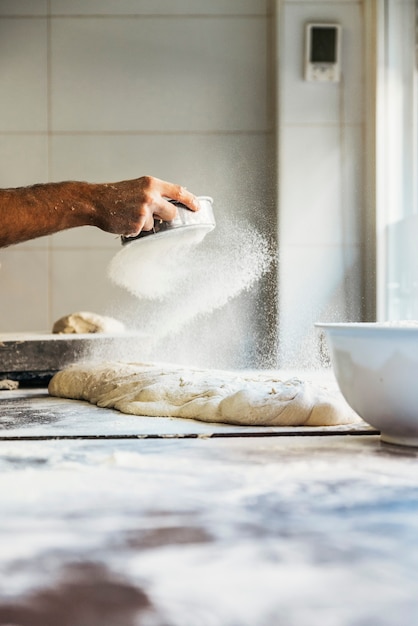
{"x":139,"y":133}
{"x":139,"y":16}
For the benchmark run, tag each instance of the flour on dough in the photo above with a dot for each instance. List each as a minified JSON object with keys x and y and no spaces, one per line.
{"x":208,"y":395}
{"x":86,"y":322}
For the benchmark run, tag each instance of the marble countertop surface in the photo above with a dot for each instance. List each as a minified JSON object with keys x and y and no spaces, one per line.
{"x":112,"y":520}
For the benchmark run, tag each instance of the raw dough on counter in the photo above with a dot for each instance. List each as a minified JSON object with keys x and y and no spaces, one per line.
{"x":86,"y":322}
{"x":8,"y":385}
{"x":160,"y":390}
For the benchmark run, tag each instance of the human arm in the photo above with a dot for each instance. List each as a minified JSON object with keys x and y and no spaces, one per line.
{"x":123,"y":208}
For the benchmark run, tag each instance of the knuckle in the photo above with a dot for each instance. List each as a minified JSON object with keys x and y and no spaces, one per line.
{"x":148,"y":183}
{"x":181,"y":191}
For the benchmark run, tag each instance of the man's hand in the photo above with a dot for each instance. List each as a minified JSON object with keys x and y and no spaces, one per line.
{"x":123,"y":208}
{"x":128,"y":207}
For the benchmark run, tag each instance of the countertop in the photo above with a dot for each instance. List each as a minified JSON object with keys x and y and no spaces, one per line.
{"x":124,"y":521}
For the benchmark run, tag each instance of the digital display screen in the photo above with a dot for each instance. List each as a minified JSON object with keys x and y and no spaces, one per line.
{"x":323,"y":44}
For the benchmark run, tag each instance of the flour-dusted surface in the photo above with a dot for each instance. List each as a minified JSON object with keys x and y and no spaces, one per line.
{"x":296,"y":531}
{"x":208,"y":395}
{"x":32,"y":413}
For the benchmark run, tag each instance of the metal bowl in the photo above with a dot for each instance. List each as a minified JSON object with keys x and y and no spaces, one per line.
{"x":202,"y":220}
{"x":376,"y":367}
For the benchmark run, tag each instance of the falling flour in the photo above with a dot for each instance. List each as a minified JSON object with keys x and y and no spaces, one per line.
{"x":184,"y":281}
{"x":151,"y":267}
{"x":175,"y":280}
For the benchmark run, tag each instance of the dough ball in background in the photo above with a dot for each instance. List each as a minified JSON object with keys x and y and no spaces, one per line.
{"x":85,"y":322}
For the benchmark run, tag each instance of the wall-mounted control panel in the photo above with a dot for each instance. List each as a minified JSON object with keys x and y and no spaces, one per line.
{"x":323,"y":52}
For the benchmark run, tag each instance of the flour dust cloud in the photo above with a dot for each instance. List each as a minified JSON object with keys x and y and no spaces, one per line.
{"x":180,"y":282}
{"x":153,"y":266}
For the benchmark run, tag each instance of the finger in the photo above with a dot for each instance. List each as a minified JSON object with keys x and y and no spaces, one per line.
{"x":165,"y":210}
{"x":176,"y":192}
{"x":141,"y":225}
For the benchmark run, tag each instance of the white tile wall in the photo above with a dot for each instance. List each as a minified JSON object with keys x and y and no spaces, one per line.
{"x":180,"y":89}
{"x":321,"y":198}
{"x":115,"y":89}
{"x":23,"y":7}
{"x":320,"y":195}
{"x":159,"y":74}
{"x":317,"y":283}
{"x":23,"y":158}
{"x":24,"y":287}
{"x":158,"y":7}
{"x":86,"y":269}
{"x":23,"y":71}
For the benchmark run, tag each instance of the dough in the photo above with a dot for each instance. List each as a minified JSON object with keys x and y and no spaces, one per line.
{"x":207,"y":395}
{"x":7,"y":385}
{"x":85,"y":322}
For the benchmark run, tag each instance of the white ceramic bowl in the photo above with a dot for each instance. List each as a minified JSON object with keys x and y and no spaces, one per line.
{"x":376,"y":367}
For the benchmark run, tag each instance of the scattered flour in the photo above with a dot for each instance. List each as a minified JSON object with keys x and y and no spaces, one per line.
{"x":152,"y":267}
{"x":176,"y":281}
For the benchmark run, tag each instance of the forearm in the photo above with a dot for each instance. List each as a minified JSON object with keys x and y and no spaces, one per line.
{"x":29,"y":212}
{"x":123,"y":208}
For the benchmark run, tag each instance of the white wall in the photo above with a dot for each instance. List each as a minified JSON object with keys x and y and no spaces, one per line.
{"x":181,"y":89}
{"x":114,"y":89}
{"x":320,"y":181}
